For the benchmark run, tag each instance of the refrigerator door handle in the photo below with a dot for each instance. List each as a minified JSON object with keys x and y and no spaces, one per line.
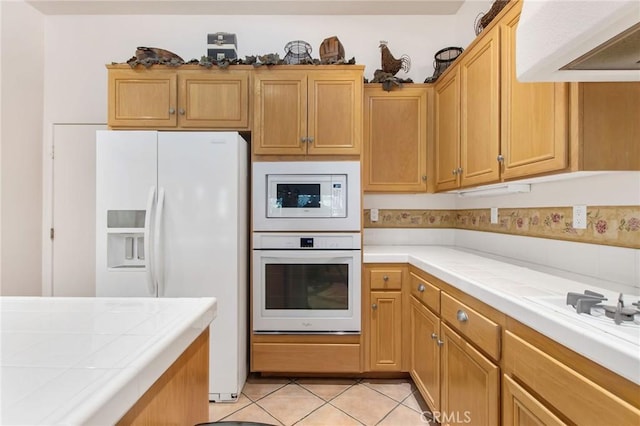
{"x":147,"y":241}
{"x":157,"y":241}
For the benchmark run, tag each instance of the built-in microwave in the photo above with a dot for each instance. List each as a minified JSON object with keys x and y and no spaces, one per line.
{"x":306,"y":196}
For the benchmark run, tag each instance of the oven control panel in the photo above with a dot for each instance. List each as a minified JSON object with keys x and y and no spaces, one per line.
{"x":306,"y":242}
{"x":312,"y":241}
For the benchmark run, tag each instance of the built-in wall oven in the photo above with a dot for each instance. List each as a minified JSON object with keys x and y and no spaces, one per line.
{"x":306,"y":282}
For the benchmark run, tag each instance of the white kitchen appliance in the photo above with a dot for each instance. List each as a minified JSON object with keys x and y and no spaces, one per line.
{"x":306,"y":196}
{"x":172,"y":222}
{"x":306,"y":282}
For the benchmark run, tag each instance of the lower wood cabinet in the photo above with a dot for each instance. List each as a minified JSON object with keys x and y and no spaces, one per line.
{"x":520,"y":408}
{"x":425,"y":353}
{"x":470,"y":387}
{"x":386,"y":331}
{"x":385,"y":317}
{"x":459,"y":383}
{"x":540,"y":387}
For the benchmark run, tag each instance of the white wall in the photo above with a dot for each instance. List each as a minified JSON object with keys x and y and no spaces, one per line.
{"x":22,"y":47}
{"x":78,"y":47}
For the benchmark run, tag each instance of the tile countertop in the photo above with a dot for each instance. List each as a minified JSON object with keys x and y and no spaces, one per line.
{"x":521,"y":292}
{"x":88,"y":360}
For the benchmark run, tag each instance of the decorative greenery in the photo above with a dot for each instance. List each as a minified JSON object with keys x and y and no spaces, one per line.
{"x":208,"y":62}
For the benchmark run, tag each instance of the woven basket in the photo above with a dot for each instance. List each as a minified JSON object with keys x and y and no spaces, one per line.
{"x":497,"y":6}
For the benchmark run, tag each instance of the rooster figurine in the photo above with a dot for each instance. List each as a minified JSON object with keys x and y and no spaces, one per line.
{"x":390,"y":64}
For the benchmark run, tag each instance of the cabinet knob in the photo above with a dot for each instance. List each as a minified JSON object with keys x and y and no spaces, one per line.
{"x":421,"y":288}
{"x":454,"y":172}
{"x":500,"y":158}
{"x":181,"y":111}
{"x":440,"y":342}
{"x":374,"y":306}
{"x":424,"y":178}
{"x":385,"y":278}
{"x":462,"y":316}
{"x":303,"y":139}
{"x":310,"y":140}
{"x":434,"y":336}
{"x":459,"y":170}
{"x":172,"y":111}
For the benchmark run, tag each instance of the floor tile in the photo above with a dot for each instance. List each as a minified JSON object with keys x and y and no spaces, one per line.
{"x":219,"y":410}
{"x":328,"y":415}
{"x":415,"y":402}
{"x":253,"y":413}
{"x":365,"y":404}
{"x":326,"y":389}
{"x":290,"y":403}
{"x":405,"y":416}
{"x":397,"y":389}
{"x":257,"y":387}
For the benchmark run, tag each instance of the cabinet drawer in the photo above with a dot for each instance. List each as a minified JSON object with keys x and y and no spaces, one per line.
{"x":386,"y":279}
{"x":576,"y":397}
{"x":425,"y":292}
{"x":476,"y":327}
{"x":306,"y":358}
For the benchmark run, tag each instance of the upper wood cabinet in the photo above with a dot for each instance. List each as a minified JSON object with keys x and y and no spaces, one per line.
{"x":467,"y":118}
{"x":490,"y":127}
{"x":190,"y":97}
{"x":534,"y":116}
{"x":308,"y":110}
{"x":395,"y":138}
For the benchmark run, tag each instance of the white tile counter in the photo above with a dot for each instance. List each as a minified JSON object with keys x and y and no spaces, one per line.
{"x":88,"y":360}
{"x":521,"y":293}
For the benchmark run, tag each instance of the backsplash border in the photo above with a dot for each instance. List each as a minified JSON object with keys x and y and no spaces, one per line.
{"x":606,"y":225}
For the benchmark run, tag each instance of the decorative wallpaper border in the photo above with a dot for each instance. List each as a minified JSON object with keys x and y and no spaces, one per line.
{"x":606,"y":225}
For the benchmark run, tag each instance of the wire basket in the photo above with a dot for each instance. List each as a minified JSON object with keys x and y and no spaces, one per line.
{"x":442,"y":59}
{"x":297,"y":52}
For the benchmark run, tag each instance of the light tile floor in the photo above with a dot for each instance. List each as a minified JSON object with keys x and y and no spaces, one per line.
{"x":325,"y":402}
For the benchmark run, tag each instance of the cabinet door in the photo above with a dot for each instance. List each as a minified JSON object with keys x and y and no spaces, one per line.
{"x":334,"y":112}
{"x":470,"y":383}
{"x":395,"y":134}
{"x":534,"y":123}
{"x":218,"y":100}
{"x":447,"y":123}
{"x":425,"y":353}
{"x":140,"y":98}
{"x":520,"y":408}
{"x":480,"y":112}
{"x":280,"y":113}
{"x":386,"y":330}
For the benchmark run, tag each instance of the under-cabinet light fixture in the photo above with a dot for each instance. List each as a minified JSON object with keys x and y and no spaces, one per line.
{"x":510,"y":188}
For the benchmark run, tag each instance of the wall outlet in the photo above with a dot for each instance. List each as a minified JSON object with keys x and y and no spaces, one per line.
{"x":373,"y":215}
{"x":579,"y":217}
{"x":494,"y":215}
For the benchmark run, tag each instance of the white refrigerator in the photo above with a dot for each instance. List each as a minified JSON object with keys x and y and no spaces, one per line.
{"x":171,"y":221}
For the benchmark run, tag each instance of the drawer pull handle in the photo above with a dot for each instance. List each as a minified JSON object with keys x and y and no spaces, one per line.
{"x":374,"y":306}
{"x":385,"y":278}
{"x":421,"y":288}
{"x":462,"y":316}
{"x":434,"y":336}
{"x":440,"y":342}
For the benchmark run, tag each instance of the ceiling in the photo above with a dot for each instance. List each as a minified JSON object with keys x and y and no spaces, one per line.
{"x":247,"y":7}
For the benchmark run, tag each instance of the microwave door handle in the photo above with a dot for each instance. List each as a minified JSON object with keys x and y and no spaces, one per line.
{"x":157,"y":244}
{"x":148,"y":215}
